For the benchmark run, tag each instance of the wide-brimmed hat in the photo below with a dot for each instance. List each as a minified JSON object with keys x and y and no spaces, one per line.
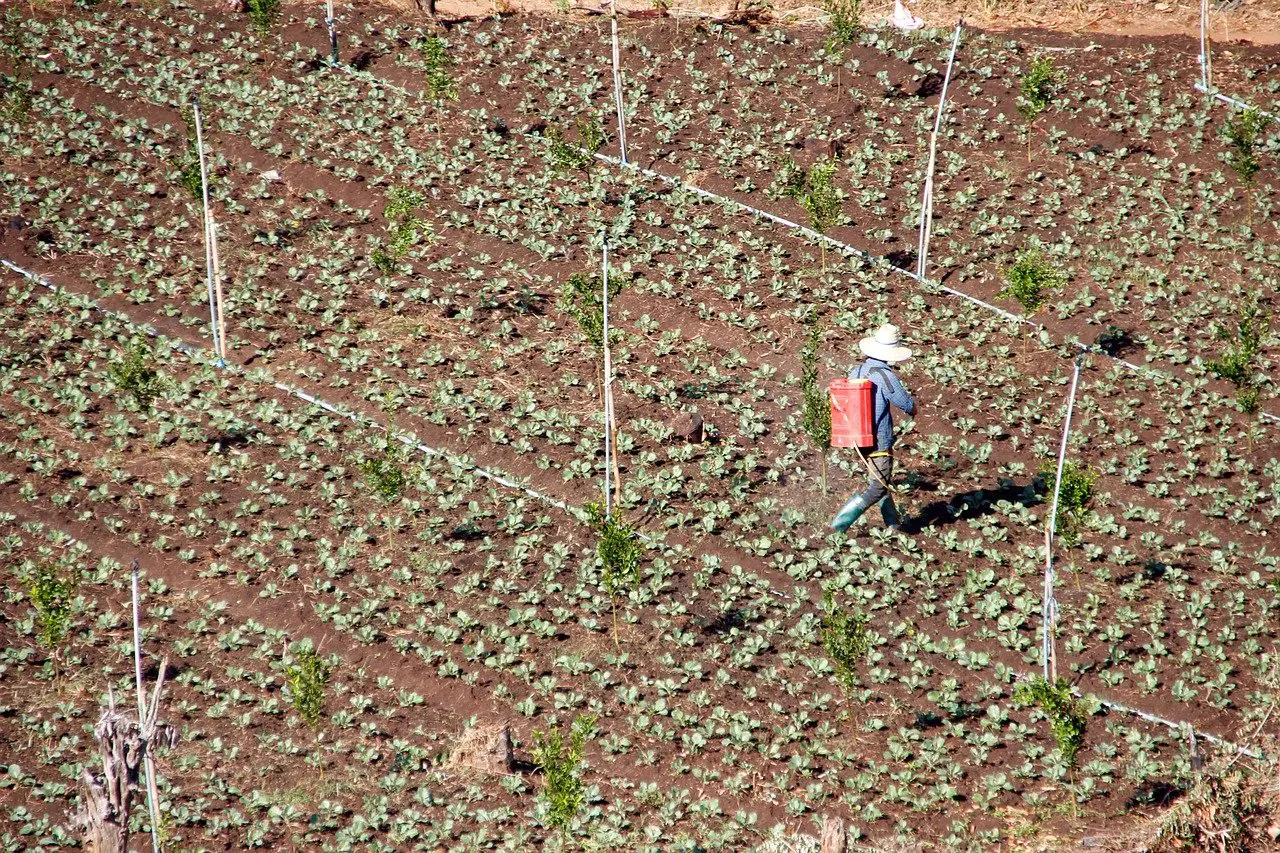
{"x":885,"y":344}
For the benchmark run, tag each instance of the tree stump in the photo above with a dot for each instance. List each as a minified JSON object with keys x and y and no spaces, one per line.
{"x":834,"y":837}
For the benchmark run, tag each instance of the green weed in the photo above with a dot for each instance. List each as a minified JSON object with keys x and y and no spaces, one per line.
{"x":441,"y":84}
{"x":583,"y":299}
{"x":1066,"y":718}
{"x":51,"y":595}
{"x":1074,"y":496}
{"x":560,"y":760}
{"x":1237,"y":362}
{"x":816,"y":400}
{"x":845,"y":637}
{"x":844,"y":22}
{"x":135,"y":375}
{"x":1031,"y":279}
{"x":815,"y":190}
{"x":1036,"y":92}
{"x":264,"y":14}
{"x":1243,"y":131}
{"x":308,"y":676}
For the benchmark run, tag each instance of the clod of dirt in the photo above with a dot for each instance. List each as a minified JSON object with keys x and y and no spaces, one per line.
{"x":690,"y":427}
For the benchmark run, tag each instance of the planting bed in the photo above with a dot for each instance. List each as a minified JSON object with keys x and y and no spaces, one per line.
{"x":462,"y":603}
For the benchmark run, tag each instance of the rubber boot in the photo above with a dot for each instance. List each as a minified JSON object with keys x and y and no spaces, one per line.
{"x":849,"y":513}
{"x":889,"y":512}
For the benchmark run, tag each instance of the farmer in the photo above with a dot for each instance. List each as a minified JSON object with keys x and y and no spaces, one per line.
{"x":883,"y":350}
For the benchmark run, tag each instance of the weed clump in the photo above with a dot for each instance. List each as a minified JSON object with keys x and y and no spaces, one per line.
{"x":136,"y":376}
{"x":844,"y":22}
{"x":1031,"y":279}
{"x":815,"y":190}
{"x":189,"y":177}
{"x":405,"y":229}
{"x":17,"y":94}
{"x":441,"y":85}
{"x":1074,"y":497}
{"x":264,"y":14}
{"x":1036,"y":92}
{"x":1236,"y":363}
{"x":308,"y":676}
{"x":565,"y":155}
{"x":583,"y":299}
{"x":845,"y":638}
{"x":51,"y":595}
{"x":1066,"y":717}
{"x":1243,"y":131}
{"x":560,"y":760}
{"x":815,"y":413}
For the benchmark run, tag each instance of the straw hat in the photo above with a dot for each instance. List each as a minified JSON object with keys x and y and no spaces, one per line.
{"x":885,"y":344}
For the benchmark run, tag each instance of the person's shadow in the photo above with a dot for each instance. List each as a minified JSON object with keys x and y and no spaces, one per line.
{"x":974,"y":504}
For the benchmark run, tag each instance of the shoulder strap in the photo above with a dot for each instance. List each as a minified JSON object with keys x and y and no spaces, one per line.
{"x":886,"y":375}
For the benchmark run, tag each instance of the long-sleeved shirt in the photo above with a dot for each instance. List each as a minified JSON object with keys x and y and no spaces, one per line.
{"x":889,"y":389}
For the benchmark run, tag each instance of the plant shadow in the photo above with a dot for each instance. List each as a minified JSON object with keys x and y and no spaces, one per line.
{"x":974,"y":504}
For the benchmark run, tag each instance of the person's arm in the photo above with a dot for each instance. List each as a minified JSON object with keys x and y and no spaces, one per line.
{"x":897,"y":394}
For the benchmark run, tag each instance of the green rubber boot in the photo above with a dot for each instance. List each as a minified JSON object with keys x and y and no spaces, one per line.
{"x":889,"y":512}
{"x":849,"y":513}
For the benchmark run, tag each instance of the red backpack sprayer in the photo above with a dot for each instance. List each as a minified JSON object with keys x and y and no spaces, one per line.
{"x":853,"y":413}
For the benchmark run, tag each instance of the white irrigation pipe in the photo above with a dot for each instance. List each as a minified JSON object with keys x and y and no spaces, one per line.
{"x":607,"y":378}
{"x":195,"y":354}
{"x":1049,"y":604}
{"x":815,"y":235}
{"x":926,"y":200}
{"x":1205,"y":85}
{"x":617,"y":83}
{"x":208,"y":236}
{"x":333,"y":32}
{"x":153,"y":804}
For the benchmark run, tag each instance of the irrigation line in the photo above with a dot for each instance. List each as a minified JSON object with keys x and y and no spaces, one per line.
{"x":606,"y":379}
{"x":1049,"y":604}
{"x":830,"y":241}
{"x":199,"y":355}
{"x":209,"y":263}
{"x":1205,"y":86}
{"x":926,"y":200}
{"x":617,"y":82}
{"x":195,"y":353}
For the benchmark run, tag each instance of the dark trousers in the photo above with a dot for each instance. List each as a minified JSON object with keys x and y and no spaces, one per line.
{"x":877,"y":491}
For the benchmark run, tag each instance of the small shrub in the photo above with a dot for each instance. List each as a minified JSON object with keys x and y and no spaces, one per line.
{"x":1030,"y":280}
{"x":581,"y":297}
{"x":189,"y":165}
{"x":1074,"y":496}
{"x":815,"y":190}
{"x":308,"y":676}
{"x":1237,"y":362}
{"x":1066,"y":717}
{"x":565,"y":155}
{"x":845,"y":637}
{"x":560,"y":760}
{"x":17,"y":97}
{"x":405,"y":229}
{"x":844,"y":22}
{"x":618,"y":548}
{"x":51,"y":595}
{"x":384,"y":475}
{"x":1036,"y":92}
{"x":1243,"y":131}
{"x":263,"y":14}
{"x":815,"y":414}
{"x":441,"y":84}
{"x":135,"y":375}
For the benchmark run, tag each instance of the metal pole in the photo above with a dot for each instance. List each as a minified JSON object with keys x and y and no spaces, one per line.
{"x":1049,"y":609}
{"x":617,"y":84}
{"x":926,"y":200}
{"x":208,"y":241}
{"x":152,"y":805}
{"x":608,"y":420}
{"x":333,"y":33}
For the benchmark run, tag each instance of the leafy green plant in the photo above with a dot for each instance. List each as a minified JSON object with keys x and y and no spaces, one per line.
{"x":815,"y":190}
{"x":566,"y":155}
{"x":844,"y":22}
{"x":405,"y":229}
{"x":1031,"y":278}
{"x":51,"y":595}
{"x":441,"y":84}
{"x":619,"y":551}
{"x":17,"y":96}
{"x":308,"y":676}
{"x":845,"y":637}
{"x":1236,"y":363}
{"x":1074,"y":496}
{"x":1067,"y":720}
{"x":560,"y":760}
{"x":815,"y":400}
{"x":189,"y":165}
{"x":582,"y":297}
{"x":135,"y":375}
{"x":264,"y":14}
{"x":1243,"y":131}
{"x":1036,"y":92}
